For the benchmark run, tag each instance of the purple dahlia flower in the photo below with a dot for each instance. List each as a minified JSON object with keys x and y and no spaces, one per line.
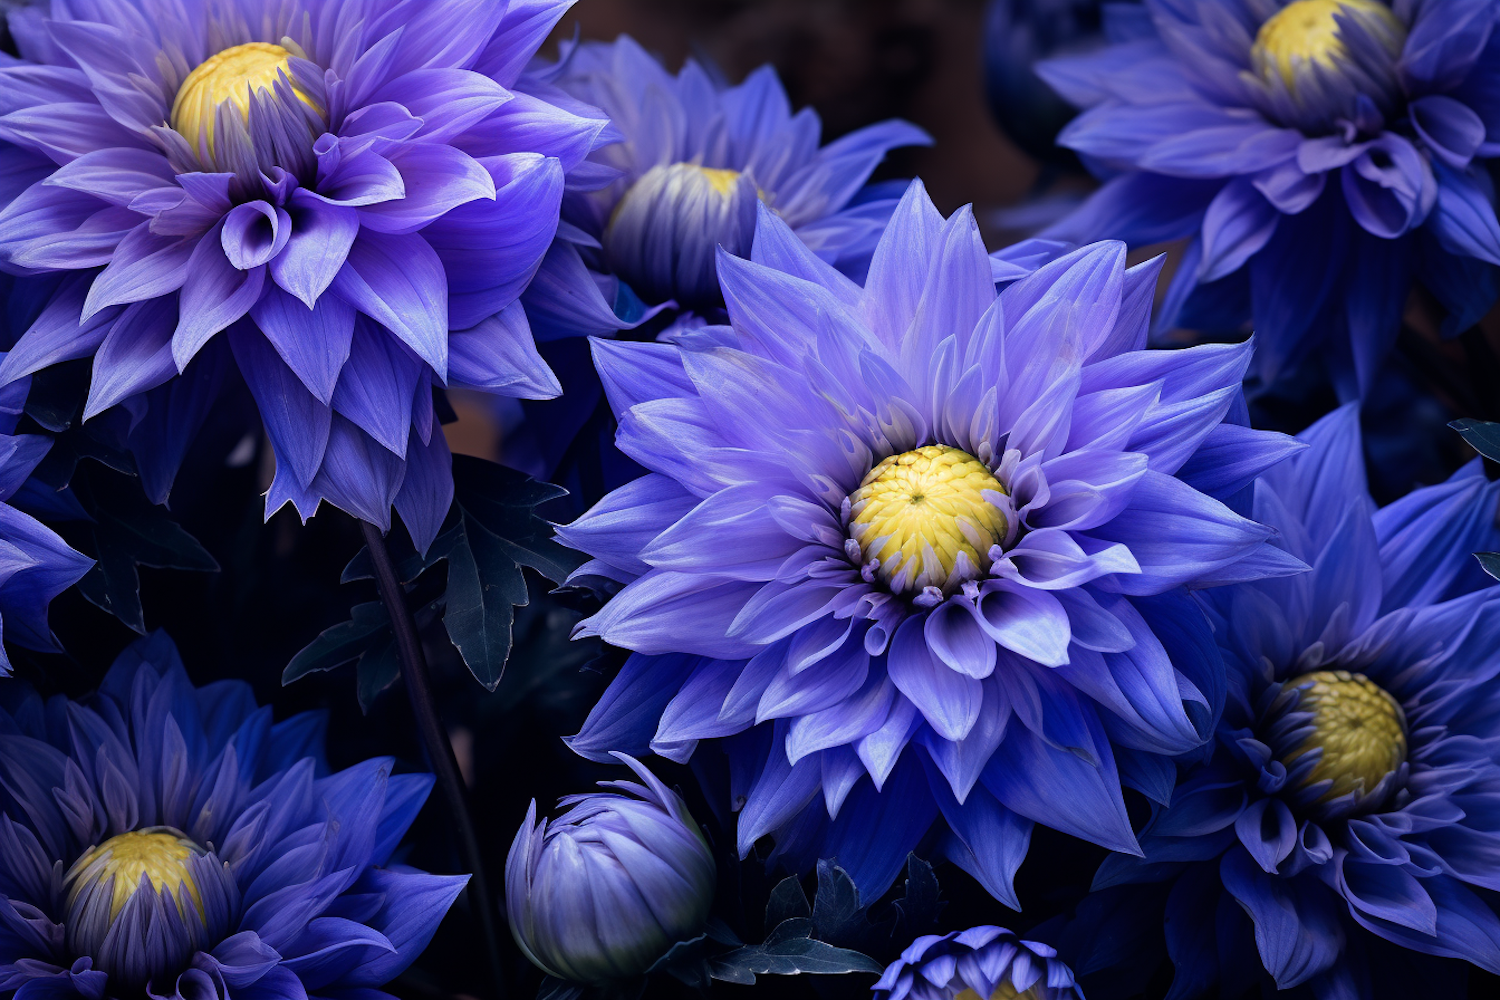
{"x":601,"y":892}
{"x":1353,"y":801}
{"x":986,"y":962}
{"x":352,"y":192}
{"x":168,"y":839}
{"x":915,"y":549}
{"x":695,"y":158}
{"x":1319,"y":155}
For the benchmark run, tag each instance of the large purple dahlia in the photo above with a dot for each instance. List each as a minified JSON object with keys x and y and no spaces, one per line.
{"x":919,"y":549}
{"x":695,"y":158}
{"x":169,"y":841}
{"x":1353,"y":802}
{"x":353,"y":192}
{"x":1320,"y":156}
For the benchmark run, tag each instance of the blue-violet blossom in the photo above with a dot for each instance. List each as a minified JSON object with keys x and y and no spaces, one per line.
{"x":353,"y":193}
{"x":981,"y":963}
{"x":168,"y":839}
{"x":921,"y":549}
{"x":1353,"y":801}
{"x":1319,"y":155}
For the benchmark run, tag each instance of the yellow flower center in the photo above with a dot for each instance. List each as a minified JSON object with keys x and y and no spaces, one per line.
{"x":232,"y":75}
{"x":160,"y":853}
{"x":1359,"y":727}
{"x":923,"y":514}
{"x":722,"y":181}
{"x":1307,"y":31}
{"x":1005,"y":991}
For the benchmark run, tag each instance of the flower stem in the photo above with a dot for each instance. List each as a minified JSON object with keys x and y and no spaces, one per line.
{"x":435,"y":740}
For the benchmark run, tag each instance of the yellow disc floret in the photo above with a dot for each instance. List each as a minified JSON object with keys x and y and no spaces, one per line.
{"x":1307,"y":31}
{"x":1359,"y":727}
{"x":159,"y":853}
{"x":924,"y":515}
{"x":1005,"y":991}
{"x":232,"y":76}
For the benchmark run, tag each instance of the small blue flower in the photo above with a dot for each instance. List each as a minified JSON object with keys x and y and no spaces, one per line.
{"x":605,"y":889}
{"x":1355,"y":789}
{"x":694,"y":158}
{"x":990,"y":963}
{"x":168,"y":839}
{"x":347,"y":196}
{"x":917,"y":548}
{"x":1320,"y":155}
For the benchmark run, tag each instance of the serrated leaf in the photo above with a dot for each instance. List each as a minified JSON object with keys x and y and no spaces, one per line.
{"x":484,"y":586}
{"x":836,"y":912}
{"x":918,"y":909}
{"x":348,"y":640}
{"x":1490,"y":561}
{"x":378,"y":668}
{"x":124,"y":530}
{"x":1483,"y":436}
{"x":786,"y":901}
{"x":788,"y":951}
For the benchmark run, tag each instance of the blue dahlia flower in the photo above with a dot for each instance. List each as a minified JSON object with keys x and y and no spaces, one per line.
{"x":165,"y":839}
{"x":695,"y":159}
{"x":1321,"y":156}
{"x":1353,"y":791}
{"x":986,"y":962}
{"x":604,"y":890}
{"x":352,"y":193}
{"x":921,"y":549}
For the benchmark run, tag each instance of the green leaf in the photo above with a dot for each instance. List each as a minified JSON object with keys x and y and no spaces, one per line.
{"x":789,"y":951}
{"x":920,"y":907}
{"x":379,"y":667}
{"x":484,"y":586}
{"x":348,"y":640}
{"x":1483,"y":436}
{"x":126,"y":531}
{"x":1490,"y":561}
{"x":836,"y":913}
{"x":787,"y":900}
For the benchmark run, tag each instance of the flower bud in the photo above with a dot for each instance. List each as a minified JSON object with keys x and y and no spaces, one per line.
{"x":664,"y":234}
{"x":605,"y":889}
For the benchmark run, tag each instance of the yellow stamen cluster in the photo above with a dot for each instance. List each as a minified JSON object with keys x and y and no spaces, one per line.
{"x":1359,"y":727}
{"x":1005,"y":991}
{"x":1307,"y":31}
{"x":232,"y":75}
{"x":924,"y":516}
{"x":159,"y":853}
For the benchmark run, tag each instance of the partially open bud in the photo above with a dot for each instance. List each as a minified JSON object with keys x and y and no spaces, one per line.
{"x":601,"y":892}
{"x":663,"y":235}
{"x":226,"y":83}
{"x":142,"y":902}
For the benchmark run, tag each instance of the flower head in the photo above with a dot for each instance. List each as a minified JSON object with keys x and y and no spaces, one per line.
{"x":168,"y":839}
{"x":1349,"y":794}
{"x":916,"y":547}
{"x":351,"y":193}
{"x":605,"y":889}
{"x":1320,"y":155}
{"x":990,"y":963}
{"x":695,"y":157}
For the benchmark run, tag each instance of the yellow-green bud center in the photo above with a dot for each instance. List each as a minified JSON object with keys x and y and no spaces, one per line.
{"x":1308,"y":31}
{"x":1359,"y":727}
{"x":924,"y":516}
{"x":159,"y":853}
{"x":231,"y":76}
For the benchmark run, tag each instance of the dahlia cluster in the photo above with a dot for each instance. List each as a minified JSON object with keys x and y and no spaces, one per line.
{"x":1104,"y":560}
